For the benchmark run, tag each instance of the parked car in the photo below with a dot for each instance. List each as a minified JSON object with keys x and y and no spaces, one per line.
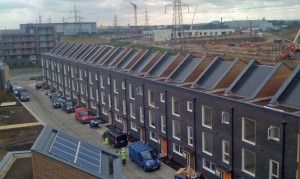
{"x":83,"y":115}
{"x":56,"y":102}
{"x":39,"y":86}
{"x":23,"y":96}
{"x":116,"y":137}
{"x":68,"y":106}
{"x":143,"y":155}
{"x":16,"y":89}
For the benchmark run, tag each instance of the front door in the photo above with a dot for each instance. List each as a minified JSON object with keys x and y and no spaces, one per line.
{"x":164,"y":146}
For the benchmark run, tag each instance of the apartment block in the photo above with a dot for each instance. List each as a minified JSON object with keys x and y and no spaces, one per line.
{"x":225,"y":119}
{"x":24,"y":46}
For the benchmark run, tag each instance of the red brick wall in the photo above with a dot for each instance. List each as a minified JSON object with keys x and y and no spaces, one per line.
{"x":45,"y":167}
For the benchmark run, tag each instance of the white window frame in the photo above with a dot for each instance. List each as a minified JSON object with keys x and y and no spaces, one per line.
{"x":243,"y":131}
{"x":116,"y":103}
{"x":123,"y":84}
{"x":108,"y":80}
{"x":150,"y":96}
{"x":203,"y":116}
{"x":109,"y":100}
{"x":224,"y":153}
{"x":139,"y":91}
{"x":173,"y":129}
{"x":91,"y":92}
{"x":271,"y":133}
{"x":152,"y":116}
{"x":173,"y":106}
{"x":271,"y":174}
{"x":96,"y":76}
{"x":101,"y":82}
{"x":131,"y":91}
{"x":90,"y":77}
{"x":124,"y":106}
{"x":190,"y":136}
{"x":162,"y":97}
{"x":210,"y":169}
{"x":118,"y":118}
{"x":142,"y":117}
{"x":97,"y":95}
{"x":104,"y":111}
{"x":102,"y":97}
{"x":93,"y":105}
{"x":179,"y":151}
{"x":163,"y":123}
{"x":115,"y":86}
{"x":132,"y":114}
{"x":204,"y":142}
{"x":133,"y":126}
{"x":243,"y":162}
{"x":189,"y":106}
{"x":155,"y":136}
{"x":225,"y":117}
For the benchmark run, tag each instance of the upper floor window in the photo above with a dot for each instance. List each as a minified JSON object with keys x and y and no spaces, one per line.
{"x":132,"y":110}
{"x":142,"y":114}
{"x":206,"y":117}
{"x":131,"y":91}
{"x":115,"y":84}
{"x":273,"y":133}
{"x":162,"y":97}
{"x":151,"y":98}
{"x":248,"y":162}
{"x":152,"y":119}
{"x":190,"y":136}
{"x":176,"y":129}
{"x":273,"y":169}
{"x":101,"y":82}
{"x":116,"y":101}
{"x":124,"y":107}
{"x":225,"y":117}
{"x":248,"y":131}
{"x":163,"y":124}
{"x":90,"y":78}
{"x":108,"y":80}
{"x":123,"y":84}
{"x":225,"y":151}
{"x":189,"y":106}
{"x":207,"y":143}
{"x":175,"y":106}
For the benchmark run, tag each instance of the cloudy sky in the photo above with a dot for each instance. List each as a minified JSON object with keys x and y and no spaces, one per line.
{"x":15,"y":12}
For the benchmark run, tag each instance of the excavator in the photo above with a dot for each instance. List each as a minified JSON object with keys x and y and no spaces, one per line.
{"x":292,"y":48}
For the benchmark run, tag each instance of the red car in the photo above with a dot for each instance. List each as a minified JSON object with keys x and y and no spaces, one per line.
{"x":83,"y":115}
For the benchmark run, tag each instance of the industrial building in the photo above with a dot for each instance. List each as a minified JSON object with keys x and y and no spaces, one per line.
{"x":225,"y":119}
{"x":24,"y":46}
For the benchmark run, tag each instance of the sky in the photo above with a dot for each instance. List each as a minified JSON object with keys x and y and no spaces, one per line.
{"x":159,"y":12}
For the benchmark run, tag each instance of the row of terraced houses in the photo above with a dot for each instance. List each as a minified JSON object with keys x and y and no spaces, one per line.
{"x":225,"y":119}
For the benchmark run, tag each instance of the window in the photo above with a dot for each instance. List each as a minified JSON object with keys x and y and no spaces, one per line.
{"x":225,"y":151}
{"x":132,"y":110}
{"x":97,"y":94}
{"x":177,"y":149}
{"x":93,"y":105}
{"x":108,"y":80}
{"x":118,"y":118}
{"x":273,"y":133}
{"x":163,"y":124}
{"x":190,"y":136}
{"x":153,"y":136}
{"x":123,"y":84}
{"x":96,"y":76}
{"x":124,"y":107}
{"x":91,"y":93}
{"x":116,"y":101}
{"x":109,"y":100}
{"x":189,"y":106}
{"x":133,"y":126}
{"x":274,"y":169}
{"x":115,"y":86}
{"x":209,"y":166}
{"x":85,"y":74}
{"x":248,"y":162}
{"x":162,"y":97}
{"x":139,"y":91}
{"x":176,"y":129}
{"x":152,"y":119}
{"x":102,"y":97}
{"x":142,"y":114}
{"x":207,"y":143}
{"x":248,"y":131}
{"x":104,"y":111}
{"x":72,"y":71}
{"x":206,"y":117}
{"x":151,"y":99}
{"x":90,"y":78}
{"x":175,"y":106}
{"x":225,"y":117}
{"x":101,"y":82}
{"x":131,"y":91}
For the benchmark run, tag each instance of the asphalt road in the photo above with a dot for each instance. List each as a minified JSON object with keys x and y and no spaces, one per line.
{"x":41,"y":107}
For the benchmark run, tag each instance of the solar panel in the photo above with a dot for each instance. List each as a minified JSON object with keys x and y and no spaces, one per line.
{"x":77,"y":152}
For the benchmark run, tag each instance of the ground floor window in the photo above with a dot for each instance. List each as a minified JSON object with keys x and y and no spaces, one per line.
{"x":209,"y":166}
{"x":177,"y":149}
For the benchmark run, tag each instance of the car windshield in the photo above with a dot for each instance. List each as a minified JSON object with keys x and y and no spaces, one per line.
{"x":69,"y":104}
{"x":85,"y":113}
{"x":149,"y":155}
{"x":24,"y":93}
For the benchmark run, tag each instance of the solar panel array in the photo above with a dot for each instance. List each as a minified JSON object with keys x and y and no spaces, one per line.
{"x":77,"y":152}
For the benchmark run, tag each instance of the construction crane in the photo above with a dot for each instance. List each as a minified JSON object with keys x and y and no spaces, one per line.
{"x":135,"y":17}
{"x":293,"y":47}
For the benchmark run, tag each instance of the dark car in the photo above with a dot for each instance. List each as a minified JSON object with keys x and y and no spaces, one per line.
{"x":116,"y":137}
{"x":39,"y":86}
{"x":56,"y":102}
{"x":23,"y":96}
{"x":68,"y":106}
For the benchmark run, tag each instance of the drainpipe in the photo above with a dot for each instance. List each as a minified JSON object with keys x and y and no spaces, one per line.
{"x":194,"y":131}
{"x":232,"y":141}
{"x":283,"y":149}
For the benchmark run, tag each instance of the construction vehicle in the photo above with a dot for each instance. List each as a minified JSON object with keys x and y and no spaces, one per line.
{"x":292,"y":48}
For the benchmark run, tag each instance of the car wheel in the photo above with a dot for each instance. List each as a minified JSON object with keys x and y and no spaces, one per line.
{"x":145,"y":169}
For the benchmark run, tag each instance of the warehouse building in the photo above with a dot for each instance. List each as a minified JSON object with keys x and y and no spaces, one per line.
{"x":225,"y":119}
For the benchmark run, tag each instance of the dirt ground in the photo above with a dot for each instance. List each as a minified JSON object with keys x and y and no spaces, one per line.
{"x":15,"y":115}
{"x":22,"y":168}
